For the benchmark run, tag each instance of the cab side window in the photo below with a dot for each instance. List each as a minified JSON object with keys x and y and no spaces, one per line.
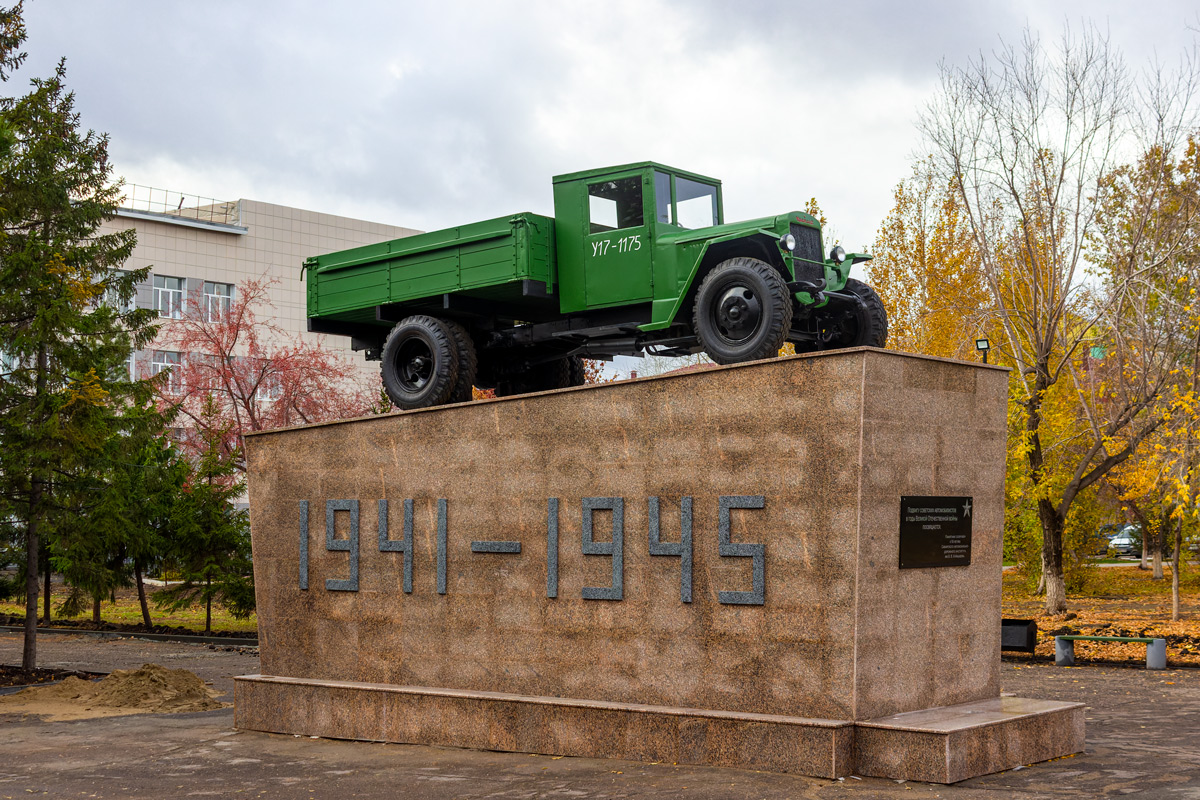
{"x":662,"y":194}
{"x":615,"y":204}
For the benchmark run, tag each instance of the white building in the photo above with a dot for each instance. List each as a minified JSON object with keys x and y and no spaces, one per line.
{"x":199,"y":248}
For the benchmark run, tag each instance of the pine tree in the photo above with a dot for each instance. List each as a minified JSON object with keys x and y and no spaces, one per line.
{"x":62,"y":386}
{"x":210,"y":537}
{"x":137,"y":479}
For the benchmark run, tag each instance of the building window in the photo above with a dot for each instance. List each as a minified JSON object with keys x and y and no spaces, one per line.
{"x":168,"y":296}
{"x":112,"y":298}
{"x":217,"y":299}
{"x":270,"y":388}
{"x":168,"y":361}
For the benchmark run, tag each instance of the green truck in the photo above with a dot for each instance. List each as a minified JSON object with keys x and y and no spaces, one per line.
{"x":638,"y":259}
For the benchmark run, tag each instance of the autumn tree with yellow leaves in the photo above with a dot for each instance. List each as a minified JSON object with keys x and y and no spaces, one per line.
{"x":1029,"y":141}
{"x":926,"y":271}
{"x":1148,"y":240}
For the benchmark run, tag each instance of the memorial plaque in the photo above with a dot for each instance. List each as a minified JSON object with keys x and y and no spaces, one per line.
{"x":935,"y":531}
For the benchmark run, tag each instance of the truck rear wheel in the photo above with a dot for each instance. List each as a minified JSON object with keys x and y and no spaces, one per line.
{"x":558,"y":374}
{"x":468,"y":363}
{"x":420,"y":363}
{"x":863,"y":325}
{"x":742,"y":311}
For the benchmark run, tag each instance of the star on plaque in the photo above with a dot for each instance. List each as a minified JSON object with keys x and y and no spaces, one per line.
{"x":967,"y":508}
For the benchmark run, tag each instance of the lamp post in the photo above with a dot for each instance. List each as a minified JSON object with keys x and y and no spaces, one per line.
{"x":983,"y":345}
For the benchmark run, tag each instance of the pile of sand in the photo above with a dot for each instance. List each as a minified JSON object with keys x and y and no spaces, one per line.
{"x":152,"y":689}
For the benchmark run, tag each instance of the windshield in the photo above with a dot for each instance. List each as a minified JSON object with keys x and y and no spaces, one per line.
{"x":695,"y":204}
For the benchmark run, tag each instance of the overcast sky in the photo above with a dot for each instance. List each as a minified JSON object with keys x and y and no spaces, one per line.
{"x":432,"y":114}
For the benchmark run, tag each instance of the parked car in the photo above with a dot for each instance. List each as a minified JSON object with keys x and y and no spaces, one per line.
{"x":1128,"y":542}
{"x":1103,"y":536}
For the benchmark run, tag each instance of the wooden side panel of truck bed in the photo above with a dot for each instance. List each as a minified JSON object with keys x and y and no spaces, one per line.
{"x":477,"y":259}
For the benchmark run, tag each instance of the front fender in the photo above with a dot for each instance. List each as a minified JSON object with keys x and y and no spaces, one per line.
{"x":664,"y":312}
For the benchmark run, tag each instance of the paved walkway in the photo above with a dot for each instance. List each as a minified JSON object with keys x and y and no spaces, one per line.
{"x":1143,"y":741}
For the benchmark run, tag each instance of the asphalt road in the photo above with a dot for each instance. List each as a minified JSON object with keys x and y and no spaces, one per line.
{"x":1143,"y":741}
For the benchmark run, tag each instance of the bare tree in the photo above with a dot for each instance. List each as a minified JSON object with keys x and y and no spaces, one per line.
{"x":1031,"y":139}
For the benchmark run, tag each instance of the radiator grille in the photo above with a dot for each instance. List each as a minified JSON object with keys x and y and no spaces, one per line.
{"x":810,"y":263}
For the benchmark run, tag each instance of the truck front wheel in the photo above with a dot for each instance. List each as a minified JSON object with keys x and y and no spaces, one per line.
{"x":742,"y":311}
{"x":863,"y":324}
{"x":420,"y":363}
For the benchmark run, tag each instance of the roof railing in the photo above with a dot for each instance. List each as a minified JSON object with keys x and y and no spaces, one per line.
{"x":178,"y":204}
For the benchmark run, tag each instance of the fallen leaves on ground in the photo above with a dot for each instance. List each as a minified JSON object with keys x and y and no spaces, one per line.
{"x":1133,"y":604}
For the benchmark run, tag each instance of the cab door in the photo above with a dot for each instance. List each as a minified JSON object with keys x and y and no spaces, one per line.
{"x":617,"y":264}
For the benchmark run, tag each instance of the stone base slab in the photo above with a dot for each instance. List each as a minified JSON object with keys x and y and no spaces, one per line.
{"x":550,"y":725}
{"x":954,"y":743}
{"x":941,"y":745}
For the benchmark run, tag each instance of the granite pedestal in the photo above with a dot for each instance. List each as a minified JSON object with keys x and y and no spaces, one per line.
{"x":699,"y":568}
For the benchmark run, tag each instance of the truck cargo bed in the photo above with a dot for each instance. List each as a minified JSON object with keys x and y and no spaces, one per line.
{"x":508,"y":258}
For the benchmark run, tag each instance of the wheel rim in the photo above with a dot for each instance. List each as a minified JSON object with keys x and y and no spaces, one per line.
{"x":414,"y":365}
{"x":737,"y":313}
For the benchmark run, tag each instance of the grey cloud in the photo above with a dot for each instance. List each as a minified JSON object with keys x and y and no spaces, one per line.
{"x":306,"y":97}
{"x":301,"y":99}
{"x":854,"y":39}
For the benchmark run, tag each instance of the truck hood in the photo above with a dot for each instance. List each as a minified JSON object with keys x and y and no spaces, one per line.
{"x":776,"y":225}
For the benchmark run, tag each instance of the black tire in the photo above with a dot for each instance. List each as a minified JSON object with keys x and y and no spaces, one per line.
{"x":742,"y":311}
{"x":576,"y":374}
{"x":558,"y":374}
{"x":864,"y":325}
{"x":468,"y":363}
{"x":420,"y":363}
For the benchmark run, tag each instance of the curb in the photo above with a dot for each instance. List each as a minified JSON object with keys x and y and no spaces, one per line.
{"x":154,"y":637}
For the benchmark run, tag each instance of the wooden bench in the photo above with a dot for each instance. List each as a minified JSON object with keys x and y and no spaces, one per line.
{"x":1156,"y":649}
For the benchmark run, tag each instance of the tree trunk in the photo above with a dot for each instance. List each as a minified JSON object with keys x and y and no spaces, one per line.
{"x":1052,"y":521}
{"x":1159,"y":537}
{"x":208,"y":615}
{"x":29,"y":653}
{"x":46,"y":593}
{"x":96,"y":610}
{"x":141,"y":587}
{"x":1145,"y":549}
{"x":1175,"y":570}
{"x":1052,"y":565}
{"x":32,"y":562}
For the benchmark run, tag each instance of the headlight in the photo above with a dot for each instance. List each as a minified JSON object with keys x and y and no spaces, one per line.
{"x":788,"y":241}
{"x":838,"y":254}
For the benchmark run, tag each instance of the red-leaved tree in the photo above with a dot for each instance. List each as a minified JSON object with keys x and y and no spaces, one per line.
{"x":259,"y":376}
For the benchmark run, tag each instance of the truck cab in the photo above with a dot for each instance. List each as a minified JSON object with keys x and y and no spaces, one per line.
{"x":609,"y":223}
{"x":638,"y":259}
{"x":645,"y":236}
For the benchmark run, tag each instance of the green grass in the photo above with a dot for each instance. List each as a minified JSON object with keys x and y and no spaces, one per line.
{"x":127,"y":611}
